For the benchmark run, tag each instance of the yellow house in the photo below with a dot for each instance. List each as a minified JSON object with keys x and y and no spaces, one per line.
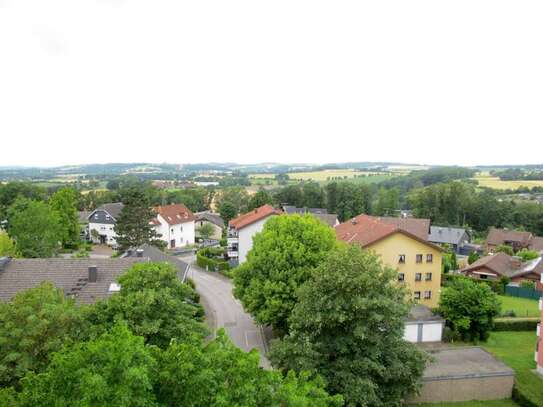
{"x":402,"y":244}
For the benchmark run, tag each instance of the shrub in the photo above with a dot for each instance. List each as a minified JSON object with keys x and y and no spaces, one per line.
{"x":516,"y":324}
{"x":212,"y":259}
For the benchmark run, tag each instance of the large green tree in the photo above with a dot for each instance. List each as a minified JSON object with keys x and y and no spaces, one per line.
{"x":348,"y":326}
{"x":64,"y":202}
{"x":133,"y":227}
{"x":34,"y":324}
{"x":232,"y":201}
{"x":154,"y":303}
{"x":220,"y":374}
{"x":469,"y":308}
{"x":35,"y":228}
{"x":115,"y":369}
{"x":283,"y":257}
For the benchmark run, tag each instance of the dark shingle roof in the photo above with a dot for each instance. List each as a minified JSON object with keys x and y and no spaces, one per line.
{"x":114,"y":209}
{"x":210,"y":217}
{"x":152,"y":254}
{"x":70,"y":275}
{"x":440,"y":234}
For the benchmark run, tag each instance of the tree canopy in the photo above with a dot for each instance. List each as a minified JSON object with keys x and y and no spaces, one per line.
{"x":35,"y":228}
{"x":469,"y":308}
{"x":133,"y":226}
{"x":347,"y":326}
{"x":64,"y":203}
{"x":34,"y":324}
{"x":283,"y":257}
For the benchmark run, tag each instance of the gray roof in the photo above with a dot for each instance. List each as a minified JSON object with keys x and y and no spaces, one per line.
{"x":457,"y":363}
{"x":447,"y":235}
{"x":289,"y":210}
{"x":153,"y":254}
{"x":320,"y":213}
{"x":83,"y":216}
{"x":114,"y":209}
{"x":210,"y":217}
{"x":420,"y":313}
{"x":70,"y":275}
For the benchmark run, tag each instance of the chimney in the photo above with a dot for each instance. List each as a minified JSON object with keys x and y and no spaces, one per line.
{"x":93,"y":274}
{"x":139,"y":253}
{"x":516,"y":262}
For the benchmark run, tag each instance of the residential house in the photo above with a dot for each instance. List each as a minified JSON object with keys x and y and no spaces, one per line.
{"x":175,"y":225}
{"x":319,"y":213}
{"x":496,"y":266}
{"x":539,"y":346}
{"x":457,"y":238}
{"x":242,"y":229}
{"x":402,"y":244}
{"x":102,"y":223}
{"x":210,"y":218}
{"x":517,"y":240}
{"x":86,"y":280}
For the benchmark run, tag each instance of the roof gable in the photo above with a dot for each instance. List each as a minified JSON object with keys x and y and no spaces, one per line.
{"x":253,"y":216}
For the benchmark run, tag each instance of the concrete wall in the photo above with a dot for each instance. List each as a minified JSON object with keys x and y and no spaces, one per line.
{"x":391,"y":247}
{"x":450,"y":390}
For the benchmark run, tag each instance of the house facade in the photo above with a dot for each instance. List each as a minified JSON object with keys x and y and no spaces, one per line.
{"x":101,"y":227}
{"x":402,"y":244}
{"x":175,"y":225}
{"x":242,"y":229}
{"x":212,"y":219}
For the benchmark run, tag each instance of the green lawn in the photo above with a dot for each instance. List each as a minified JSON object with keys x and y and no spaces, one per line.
{"x":494,"y":403}
{"x":523,"y":307}
{"x":517,"y":349}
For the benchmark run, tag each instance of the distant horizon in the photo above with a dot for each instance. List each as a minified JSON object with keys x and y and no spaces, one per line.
{"x":263,"y":163}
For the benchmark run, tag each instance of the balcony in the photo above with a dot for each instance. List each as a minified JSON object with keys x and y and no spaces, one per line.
{"x":232,"y":254}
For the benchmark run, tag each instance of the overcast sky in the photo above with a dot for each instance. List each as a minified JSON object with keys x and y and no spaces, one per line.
{"x":436,"y":82}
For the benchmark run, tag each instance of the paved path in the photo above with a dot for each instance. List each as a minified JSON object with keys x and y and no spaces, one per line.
{"x":224,"y":311}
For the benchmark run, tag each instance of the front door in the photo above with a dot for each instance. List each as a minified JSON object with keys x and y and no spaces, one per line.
{"x":172,"y":243}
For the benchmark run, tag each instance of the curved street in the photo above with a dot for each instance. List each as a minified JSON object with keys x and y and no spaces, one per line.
{"x":225,"y":311}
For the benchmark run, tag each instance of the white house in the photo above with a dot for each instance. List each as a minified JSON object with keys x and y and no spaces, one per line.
{"x":242,"y":229}
{"x":175,"y":225}
{"x":102,"y":220}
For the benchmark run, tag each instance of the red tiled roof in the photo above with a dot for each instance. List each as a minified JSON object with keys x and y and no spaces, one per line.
{"x":536,"y":244}
{"x":366,"y":230}
{"x":175,"y":214}
{"x":251,"y":217}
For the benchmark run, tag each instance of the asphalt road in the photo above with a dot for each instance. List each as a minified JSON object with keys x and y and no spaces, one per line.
{"x":225,"y":311}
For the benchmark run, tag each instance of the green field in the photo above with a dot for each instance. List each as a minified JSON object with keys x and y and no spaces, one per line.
{"x":485,"y":180}
{"x":523,"y":307}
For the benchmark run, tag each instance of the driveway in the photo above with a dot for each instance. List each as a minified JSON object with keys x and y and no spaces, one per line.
{"x":224,"y":311}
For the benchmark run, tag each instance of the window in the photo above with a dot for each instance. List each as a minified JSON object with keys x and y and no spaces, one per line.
{"x":428,"y":276}
{"x":401,"y":259}
{"x":171,"y":230}
{"x":108,"y":217}
{"x":401,"y":277}
{"x":419,"y":258}
{"x":483,"y":276}
{"x":95,"y":216}
{"x":418,"y":276}
{"x":427,"y":295}
{"x":417,"y":295}
{"x":429,"y":258}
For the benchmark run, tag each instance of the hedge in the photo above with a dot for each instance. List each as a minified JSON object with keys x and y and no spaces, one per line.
{"x":521,"y":399}
{"x":205,"y":260}
{"x":516,"y":324}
